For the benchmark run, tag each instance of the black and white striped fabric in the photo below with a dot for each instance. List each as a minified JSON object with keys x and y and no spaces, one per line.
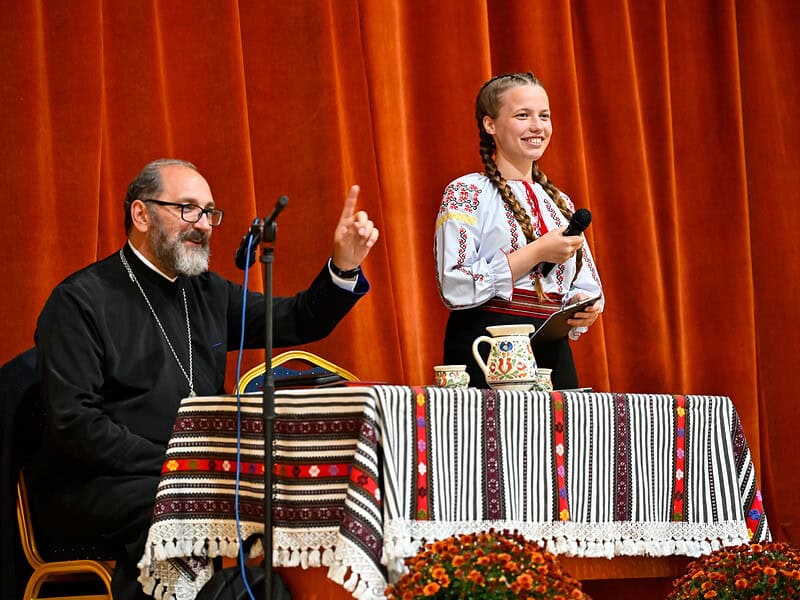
{"x":364,"y":475}
{"x":585,"y":474}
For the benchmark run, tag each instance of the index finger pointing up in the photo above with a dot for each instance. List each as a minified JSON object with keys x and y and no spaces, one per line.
{"x":350,"y":203}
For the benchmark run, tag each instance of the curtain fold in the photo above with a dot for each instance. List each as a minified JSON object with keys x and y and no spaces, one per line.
{"x":675,"y":123}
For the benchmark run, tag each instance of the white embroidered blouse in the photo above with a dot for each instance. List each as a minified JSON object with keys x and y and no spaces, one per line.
{"x":475,"y":231}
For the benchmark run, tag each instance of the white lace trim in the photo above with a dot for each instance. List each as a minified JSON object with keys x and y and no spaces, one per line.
{"x":347,"y":564}
{"x":365,"y":580}
{"x":403,"y":538}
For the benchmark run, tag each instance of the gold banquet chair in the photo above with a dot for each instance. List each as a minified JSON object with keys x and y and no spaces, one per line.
{"x":315,"y":371}
{"x":77,"y":572}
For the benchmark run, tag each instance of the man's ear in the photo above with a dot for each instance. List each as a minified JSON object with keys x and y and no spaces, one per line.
{"x":140,"y":216}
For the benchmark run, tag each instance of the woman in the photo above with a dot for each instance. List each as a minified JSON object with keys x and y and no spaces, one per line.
{"x":495,"y":229}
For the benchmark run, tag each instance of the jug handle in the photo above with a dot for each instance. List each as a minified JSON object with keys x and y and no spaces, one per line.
{"x":476,"y":354}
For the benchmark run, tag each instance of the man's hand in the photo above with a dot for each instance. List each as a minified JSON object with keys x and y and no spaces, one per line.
{"x":354,"y":236}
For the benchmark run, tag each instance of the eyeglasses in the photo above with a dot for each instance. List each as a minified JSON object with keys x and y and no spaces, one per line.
{"x":191,"y":213}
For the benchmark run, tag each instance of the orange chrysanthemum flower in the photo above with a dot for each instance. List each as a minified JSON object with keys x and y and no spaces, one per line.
{"x":430,"y":589}
{"x":746,"y":572}
{"x":482,"y":566}
{"x":525,"y":581}
{"x":475,"y":577}
{"x":458,"y":560}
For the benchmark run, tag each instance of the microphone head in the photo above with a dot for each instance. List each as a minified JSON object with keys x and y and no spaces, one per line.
{"x":580,"y":219}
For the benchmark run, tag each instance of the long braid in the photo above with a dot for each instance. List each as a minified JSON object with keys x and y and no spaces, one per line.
{"x":554,"y":193}
{"x":493,"y":173}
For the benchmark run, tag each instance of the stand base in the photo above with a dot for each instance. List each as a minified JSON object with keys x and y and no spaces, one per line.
{"x":227,"y":584}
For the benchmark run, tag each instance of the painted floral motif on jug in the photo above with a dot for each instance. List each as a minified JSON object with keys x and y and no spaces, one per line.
{"x":510,"y":364}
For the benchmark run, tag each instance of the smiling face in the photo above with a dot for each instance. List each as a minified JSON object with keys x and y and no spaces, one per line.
{"x":173,"y":245}
{"x":181,"y":247}
{"x":521,"y":129}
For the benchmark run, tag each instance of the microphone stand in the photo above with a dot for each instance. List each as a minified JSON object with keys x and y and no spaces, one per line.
{"x":268,"y":229}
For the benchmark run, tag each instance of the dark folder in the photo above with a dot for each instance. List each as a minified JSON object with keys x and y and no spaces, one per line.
{"x":555,"y":327}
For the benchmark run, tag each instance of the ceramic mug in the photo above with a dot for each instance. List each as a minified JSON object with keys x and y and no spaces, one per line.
{"x":451,"y":376}
{"x":544,"y":382}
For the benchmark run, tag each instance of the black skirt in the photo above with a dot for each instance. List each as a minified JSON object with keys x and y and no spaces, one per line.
{"x":463,"y":326}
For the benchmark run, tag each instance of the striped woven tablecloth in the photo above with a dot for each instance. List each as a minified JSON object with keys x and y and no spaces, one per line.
{"x":364,"y":474}
{"x":585,"y":474}
{"x":327,"y":509}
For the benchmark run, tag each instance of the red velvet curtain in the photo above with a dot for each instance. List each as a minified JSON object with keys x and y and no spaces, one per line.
{"x":675,"y":122}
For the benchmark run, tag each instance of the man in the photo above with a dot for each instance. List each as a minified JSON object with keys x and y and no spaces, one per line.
{"x":120,"y":342}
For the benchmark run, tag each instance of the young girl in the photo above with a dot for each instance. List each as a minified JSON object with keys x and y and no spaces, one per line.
{"x":495,"y":229}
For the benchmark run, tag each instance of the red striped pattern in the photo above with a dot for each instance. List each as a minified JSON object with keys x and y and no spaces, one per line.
{"x":525,"y":303}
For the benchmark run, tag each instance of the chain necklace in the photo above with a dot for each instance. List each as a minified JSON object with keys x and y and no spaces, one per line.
{"x":190,"y":375}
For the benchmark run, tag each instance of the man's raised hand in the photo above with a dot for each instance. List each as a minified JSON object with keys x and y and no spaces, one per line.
{"x":355,"y":234}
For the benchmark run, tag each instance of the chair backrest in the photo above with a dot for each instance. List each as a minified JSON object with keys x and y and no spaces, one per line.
{"x":70,"y":565}
{"x":315,"y":371}
{"x":18,"y":437}
{"x":25,"y":525}
{"x":71,"y":573}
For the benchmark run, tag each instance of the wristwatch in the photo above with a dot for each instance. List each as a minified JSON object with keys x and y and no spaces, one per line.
{"x":344,"y":274}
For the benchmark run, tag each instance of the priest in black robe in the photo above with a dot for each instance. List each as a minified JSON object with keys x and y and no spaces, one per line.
{"x":120,"y":342}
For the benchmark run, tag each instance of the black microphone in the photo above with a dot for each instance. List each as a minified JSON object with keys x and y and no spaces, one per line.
{"x":242,"y":259}
{"x":577,"y":224}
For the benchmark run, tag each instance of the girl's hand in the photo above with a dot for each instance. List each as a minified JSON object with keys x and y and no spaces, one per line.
{"x":587,"y":316}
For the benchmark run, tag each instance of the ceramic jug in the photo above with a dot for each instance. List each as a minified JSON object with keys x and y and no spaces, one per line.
{"x":511,"y":364}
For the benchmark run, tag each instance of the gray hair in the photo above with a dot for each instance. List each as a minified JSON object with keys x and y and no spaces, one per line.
{"x":148,"y":183}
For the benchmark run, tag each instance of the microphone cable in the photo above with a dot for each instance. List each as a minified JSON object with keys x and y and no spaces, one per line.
{"x":239,"y":428}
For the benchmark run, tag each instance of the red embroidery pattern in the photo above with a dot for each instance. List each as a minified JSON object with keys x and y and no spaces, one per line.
{"x":622,"y":483}
{"x":513,"y":227}
{"x":364,"y":480}
{"x":313,"y":471}
{"x":539,"y":226}
{"x":754,"y":514}
{"x":679,"y":486}
{"x":559,"y":449}
{"x":421,"y":439}
{"x":590,"y":265}
{"x":462,"y":256}
{"x":202,"y":425}
{"x":560,"y":277}
{"x":460,"y":196}
{"x":525,"y":302}
{"x":555,"y":214}
{"x":322,"y":427}
{"x":211,"y":465}
{"x":335,"y":464}
{"x":492,"y":458}
{"x":210,"y":506}
{"x":754,"y":503}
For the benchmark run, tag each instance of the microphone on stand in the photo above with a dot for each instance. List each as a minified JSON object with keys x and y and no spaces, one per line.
{"x":263,"y":233}
{"x":577,"y":224}
{"x":279,"y":206}
{"x":254,"y":233}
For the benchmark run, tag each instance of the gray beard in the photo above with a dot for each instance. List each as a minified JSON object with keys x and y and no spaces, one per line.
{"x":175,"y":256}
{"x":190,"y":261}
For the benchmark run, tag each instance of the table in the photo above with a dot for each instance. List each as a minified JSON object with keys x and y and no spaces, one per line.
{"x":365,"y":474}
